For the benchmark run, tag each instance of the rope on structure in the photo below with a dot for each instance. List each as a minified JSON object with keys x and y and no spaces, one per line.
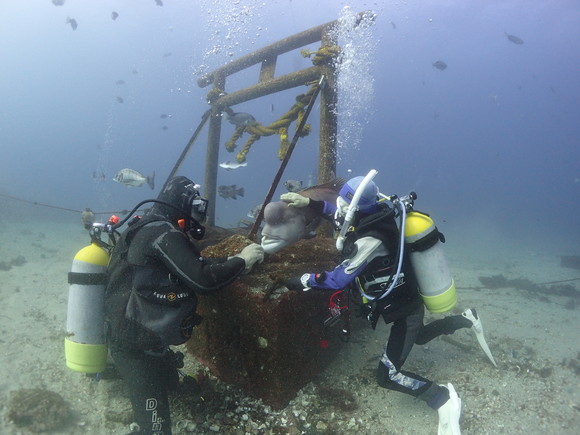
{"x":279,"y":127}
{"x":325,"y":55}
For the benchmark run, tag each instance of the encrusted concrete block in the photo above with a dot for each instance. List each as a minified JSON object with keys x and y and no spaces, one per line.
{"x":258,"y":335}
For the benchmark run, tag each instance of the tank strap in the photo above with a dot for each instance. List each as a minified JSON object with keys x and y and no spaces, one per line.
{"x":426,"y":242}
{"x":87,"y":278}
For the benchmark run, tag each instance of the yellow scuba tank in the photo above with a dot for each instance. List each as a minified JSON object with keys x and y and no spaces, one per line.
{"x":425,"y":250}
{"x":84,"y":344}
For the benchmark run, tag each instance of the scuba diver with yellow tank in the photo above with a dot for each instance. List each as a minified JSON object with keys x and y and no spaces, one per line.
{"x":396,"y":270}
{"x":143,"y":299}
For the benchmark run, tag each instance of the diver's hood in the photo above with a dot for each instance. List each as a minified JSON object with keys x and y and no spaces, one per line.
{"x":179,"y":192}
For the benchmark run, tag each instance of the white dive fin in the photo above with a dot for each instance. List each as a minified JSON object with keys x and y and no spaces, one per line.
{"x":449,"y":414}
{"x":477,"y":329}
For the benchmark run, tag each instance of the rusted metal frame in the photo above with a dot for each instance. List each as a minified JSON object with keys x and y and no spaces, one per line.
{"x":328,"y":118}
{"x":280,"y":47}
{"x":268,"y":69}
{"x":278,"y":84}
{"x":185,"y":151}
{"x":212,"y":155}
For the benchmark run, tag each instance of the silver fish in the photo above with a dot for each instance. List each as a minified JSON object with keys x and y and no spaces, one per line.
{"x":285,"y":225}
{"x":440,"y":65}
{"x":133,"y":178}
{"x":293,"y":185}
{"x":253,"y":213}
{"x":514,"y":39}
{"x":232,"y":191}
{"x":232,"y":165}
{"x":241,"y":118}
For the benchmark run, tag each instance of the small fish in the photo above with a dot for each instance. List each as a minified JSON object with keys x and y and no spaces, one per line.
{"x":120,"y":82}
{"x":440,"y":65}
{"x":158,"y":2}
{"x":232,"y":165}
{"x":132,"y":178}
{"x":241,"y":118}
{"x":164,"y":116}
{"x":253,"y":213}
{"x":164,"y":128}
{"x":72,"y":22}
{"x":514,"y":39}
{"x":135,"y":71}
{"x":293,"y":185}
{"x":231,"y":191}
{"x":393,"y":25}
{"x":167,"y":54}
{"x":58,"y":2}
{"x":87,"y":218}
{"x":120,"y":100}
{"x":114,"y":15}
{"x":99,"y":176}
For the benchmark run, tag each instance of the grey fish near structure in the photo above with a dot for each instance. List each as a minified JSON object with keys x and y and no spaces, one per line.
{"x":230,"y":192}
{"x":514,"y":39}
{"x":253,"y":213}
{"x":285,"y":225}
{"x":293,"y":185}
{"x":72,"y":22}
{"x":241,"y":119}
{"x":87,"y":218}
{"x":133,"y":178}
{"x":440,"y":65}
{"x":232,"y":165}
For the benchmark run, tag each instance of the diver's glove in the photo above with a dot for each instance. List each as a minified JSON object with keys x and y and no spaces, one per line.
{"x":298,"y":283}
{"x":295,"y":200}
{"x":251,"y":254}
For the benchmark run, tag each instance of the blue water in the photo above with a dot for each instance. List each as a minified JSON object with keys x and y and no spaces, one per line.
{"x":494,"y":135}
{"x":491,"y":144}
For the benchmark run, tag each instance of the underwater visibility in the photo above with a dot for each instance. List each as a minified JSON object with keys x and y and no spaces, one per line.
{"x":249,"y":217}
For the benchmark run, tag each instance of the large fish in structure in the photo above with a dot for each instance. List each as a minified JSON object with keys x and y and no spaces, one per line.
{"x":285,"y":225}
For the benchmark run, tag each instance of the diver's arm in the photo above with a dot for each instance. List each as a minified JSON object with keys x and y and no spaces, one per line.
{"x":367,"y":248}
{"x":322,"y":207}
{"x":183,"y":260}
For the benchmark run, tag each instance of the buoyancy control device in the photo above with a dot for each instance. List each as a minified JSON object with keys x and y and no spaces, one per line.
{"x":424,"y":241}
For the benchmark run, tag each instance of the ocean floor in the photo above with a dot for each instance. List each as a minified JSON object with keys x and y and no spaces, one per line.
{"x":531,"y":330}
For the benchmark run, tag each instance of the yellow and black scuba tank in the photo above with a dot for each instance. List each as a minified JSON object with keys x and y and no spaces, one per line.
{"x":84,"y":345}
{"x":425,"y":249}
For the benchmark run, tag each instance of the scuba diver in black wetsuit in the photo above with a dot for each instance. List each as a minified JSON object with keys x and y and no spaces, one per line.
{"x":154,"y":276}
{"x":374,"y":265}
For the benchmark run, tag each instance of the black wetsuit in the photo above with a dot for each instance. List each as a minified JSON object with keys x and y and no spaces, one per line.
{"x":155,"y":274}
{"x":369,"y":262}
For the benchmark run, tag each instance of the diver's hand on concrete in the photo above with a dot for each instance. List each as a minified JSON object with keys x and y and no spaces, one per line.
{"x":295,"y":200}
{"x":298,"y":283}
{"x":251,"y":254}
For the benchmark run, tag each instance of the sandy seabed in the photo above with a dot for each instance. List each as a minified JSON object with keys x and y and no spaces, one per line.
{"x":533,"y":336}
